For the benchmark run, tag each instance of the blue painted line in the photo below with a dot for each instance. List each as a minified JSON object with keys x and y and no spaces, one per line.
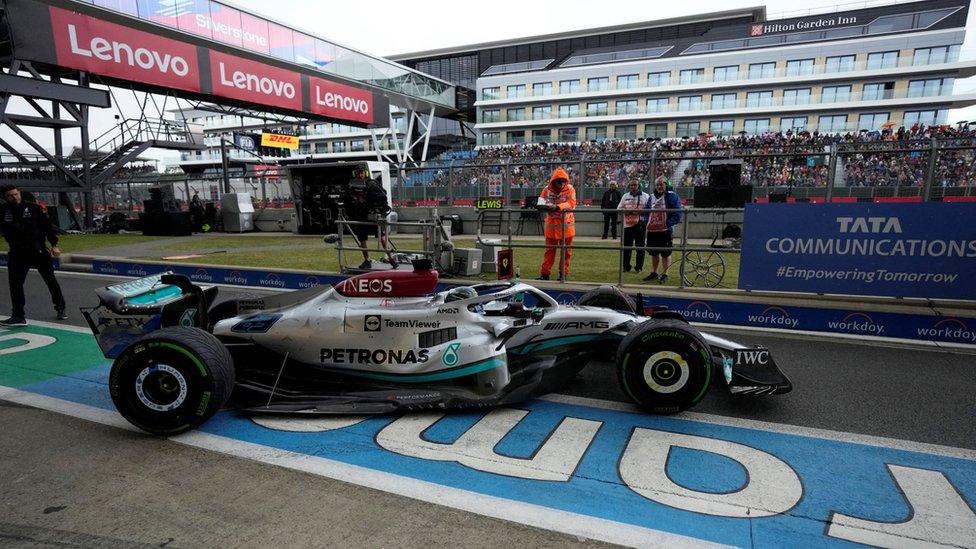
{"x":836,"y":476}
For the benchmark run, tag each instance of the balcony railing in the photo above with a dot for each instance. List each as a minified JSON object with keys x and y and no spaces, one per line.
{"x":744,"y":75}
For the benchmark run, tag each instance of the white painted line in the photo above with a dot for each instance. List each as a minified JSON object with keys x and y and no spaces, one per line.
{"x":868,"y":440}
{"x":495,"y":507}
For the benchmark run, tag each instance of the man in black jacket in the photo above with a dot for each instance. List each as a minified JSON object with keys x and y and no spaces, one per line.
{"x":611,"y":197}
{"x":26,"y":227}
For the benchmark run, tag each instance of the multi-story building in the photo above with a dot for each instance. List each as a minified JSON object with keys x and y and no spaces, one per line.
{"x":719,"y":73}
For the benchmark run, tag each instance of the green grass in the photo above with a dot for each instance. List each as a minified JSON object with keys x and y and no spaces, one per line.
{"x":74,"y":243}
{"x":587,"y":265}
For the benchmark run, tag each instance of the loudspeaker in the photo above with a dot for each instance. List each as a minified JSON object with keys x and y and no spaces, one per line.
{"x":735,"y":196}
{"x":777,"y":198}
{"x":724,"y":173}
{"x":166,"y":223}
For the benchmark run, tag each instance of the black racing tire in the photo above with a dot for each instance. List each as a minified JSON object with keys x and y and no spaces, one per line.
{"x":664,"y":366}
{"x":609,"y":297}
{"x":172,"y":380}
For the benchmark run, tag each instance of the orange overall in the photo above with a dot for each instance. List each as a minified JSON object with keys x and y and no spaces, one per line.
{"x":559,"y":223}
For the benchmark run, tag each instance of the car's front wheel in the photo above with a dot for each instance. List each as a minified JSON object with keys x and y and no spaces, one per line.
{"x":664,"y":365}
{"x":172,"y":380}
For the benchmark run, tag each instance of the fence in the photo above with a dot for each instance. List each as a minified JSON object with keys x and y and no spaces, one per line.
{"x":704,"y":262}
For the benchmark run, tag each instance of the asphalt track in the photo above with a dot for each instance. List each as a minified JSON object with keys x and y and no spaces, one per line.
{"x":71,"y":482}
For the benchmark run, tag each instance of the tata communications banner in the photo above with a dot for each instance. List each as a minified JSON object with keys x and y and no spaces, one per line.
{"x":923,"y":250}
{"x":142,"y":53}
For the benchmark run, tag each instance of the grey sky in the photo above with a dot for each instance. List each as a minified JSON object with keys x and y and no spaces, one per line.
{"x":384,"y":27}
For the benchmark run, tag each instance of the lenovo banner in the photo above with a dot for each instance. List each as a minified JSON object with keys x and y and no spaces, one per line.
{"x":925,"y":250}
{"x":99,"y":47}
{"x":340,"y":101}
{"x":254,"y":82}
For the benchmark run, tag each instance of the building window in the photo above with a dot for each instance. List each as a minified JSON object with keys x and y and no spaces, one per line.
{"x":598,"y":84}
{"x":625,"y":132}
{"x":879,"y":90}
{"x":720,"y":127}
{"x":569,"y":86}
{"x":840,"y":63}
{"x":792,"y":123}
{"x":723,"y":100}
{"x":926,"y":118}
{"x":689,"y":103}
{"x":594,"y":133}
{"x":491,"y":115}
{"x":490,"y":93}
{"x":515,"y":137}
{"x":659,"y":104}
{"x":756,"y":126}
{"x":321,"y":147}
{"x":596,"y":109}
{"x":542,"y":113}
{"x":542,"y":88}
{"x":726,"y":73}
{"x":930,"y":87}
{"x":357,"y":145}
{"x":515,"y":115}
{"x":627,"y":81}
{"x":691,"y":76}
{"x":832,"y":94}
{"x":659,"y":78}
{"x":490,"y":138}
{"x":798,"y":67}
{"x":938,"y":54}
{"x":655,"y":131}
{"x":759,"y":98}
{"x":568,"y":135}
{"x":762,"y":70}
{"x":687,"y":129}
{"x":338,"y":146}
{"x":872,"y":120}
{"x":882,"y":60}
{"x":518,"y":90}
{"x":568,"y":111}
{"x":832,"y":123}
{"x":541,"y":136}
{"x":796,"y":96}
{"x":626,"y":107}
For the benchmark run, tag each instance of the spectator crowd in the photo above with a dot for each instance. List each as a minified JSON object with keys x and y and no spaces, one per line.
{"x":889,"y":157}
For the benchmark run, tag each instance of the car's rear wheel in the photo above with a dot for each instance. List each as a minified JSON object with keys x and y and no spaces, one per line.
{"x":172,"y":380}
{"x":664,"y":366}
{"x":609,"y":297}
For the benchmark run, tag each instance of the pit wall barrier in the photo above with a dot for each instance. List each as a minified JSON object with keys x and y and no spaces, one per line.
{"x":732,"y":310}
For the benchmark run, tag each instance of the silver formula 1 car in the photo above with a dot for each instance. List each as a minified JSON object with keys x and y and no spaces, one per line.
{"x":388,"y":342}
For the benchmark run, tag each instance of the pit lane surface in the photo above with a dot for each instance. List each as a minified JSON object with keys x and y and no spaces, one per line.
{"x":861,"y":391}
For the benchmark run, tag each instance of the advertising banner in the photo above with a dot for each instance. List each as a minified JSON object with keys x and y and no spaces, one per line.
{"x":88,"y":44}
{"x":925,"y":250}
{"x":246,"y":80}
{"x":279,"y":141}
{"x":340,"y":101}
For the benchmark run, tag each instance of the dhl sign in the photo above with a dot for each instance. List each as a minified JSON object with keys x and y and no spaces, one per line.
{"x":279,"y":141}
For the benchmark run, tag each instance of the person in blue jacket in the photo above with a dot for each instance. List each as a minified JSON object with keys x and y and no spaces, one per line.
{"x":660,"y":227}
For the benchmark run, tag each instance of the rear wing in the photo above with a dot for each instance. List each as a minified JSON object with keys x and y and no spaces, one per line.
{"x":132,"y":309}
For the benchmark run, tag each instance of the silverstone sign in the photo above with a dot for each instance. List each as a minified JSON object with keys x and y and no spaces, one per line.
{"x":123,"y":49}
{"x":897,"y":250}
